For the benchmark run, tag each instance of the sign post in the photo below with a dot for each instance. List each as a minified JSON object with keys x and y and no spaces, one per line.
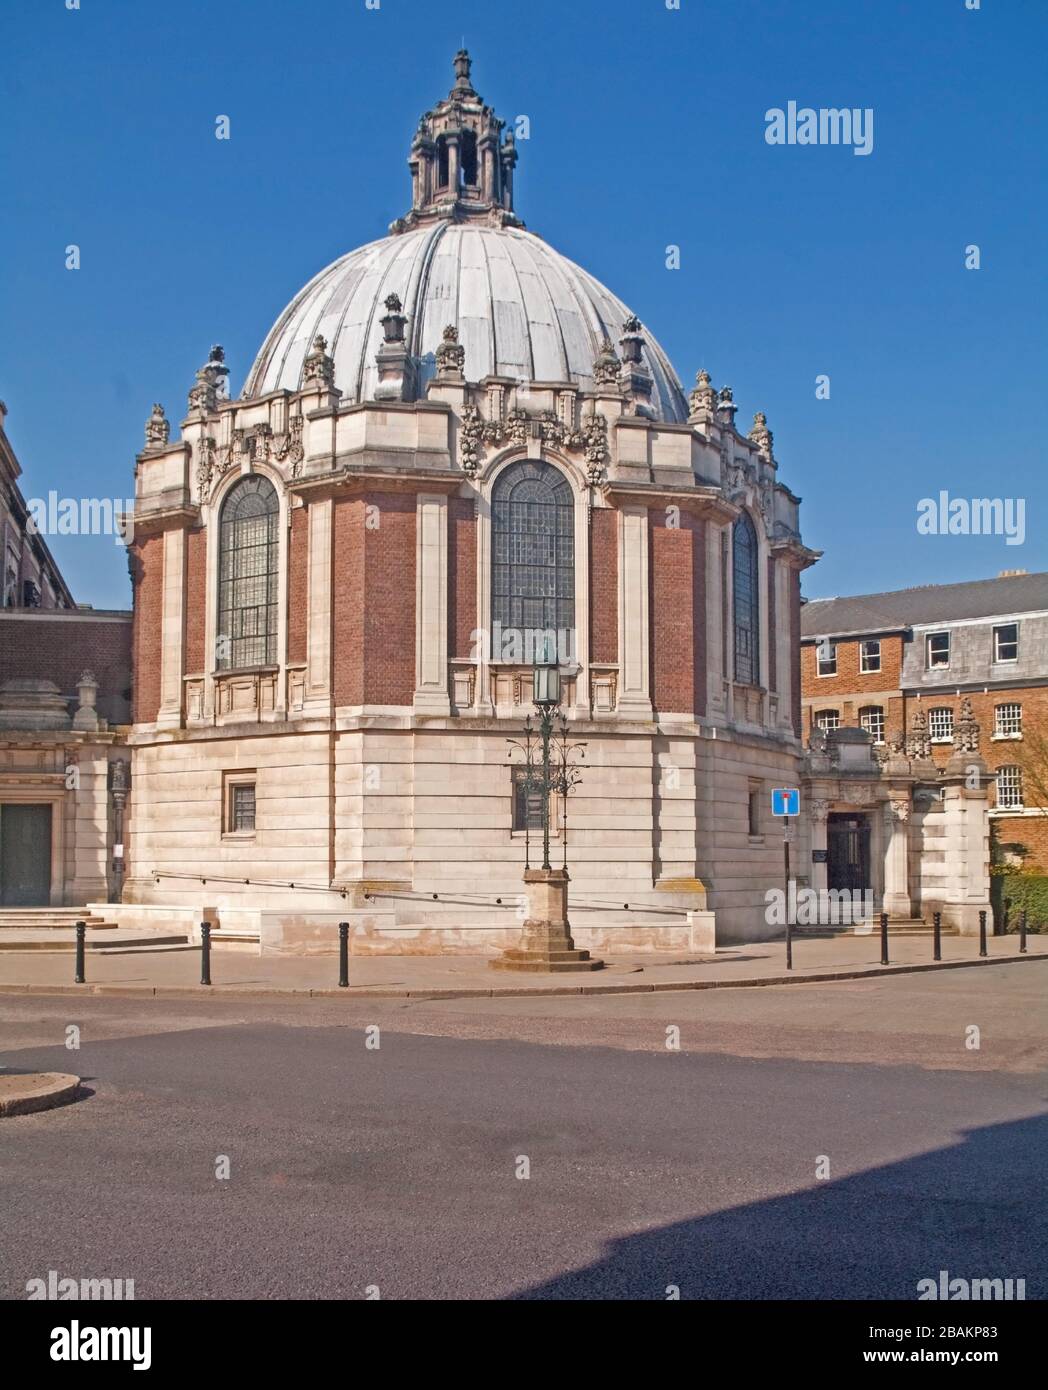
{"x":786,"y":802}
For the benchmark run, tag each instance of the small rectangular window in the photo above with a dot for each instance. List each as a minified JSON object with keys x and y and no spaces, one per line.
{"x":827,"y":658}
{"x":828,"y":719}
{"x":1008,"y":720}
{"x":754,"y":810}
{"x":527,"y":802}
{"x":938,"y":649}
{"x":1006,"y":642}
{"x":940,"y":725}
{"x":238,"y":803}
{"x":869,"y":656}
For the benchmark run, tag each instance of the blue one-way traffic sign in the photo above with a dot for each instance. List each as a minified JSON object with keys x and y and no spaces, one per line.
{"x":786,"y":801}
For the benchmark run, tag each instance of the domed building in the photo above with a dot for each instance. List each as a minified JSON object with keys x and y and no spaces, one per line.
{"x":453,"y":447}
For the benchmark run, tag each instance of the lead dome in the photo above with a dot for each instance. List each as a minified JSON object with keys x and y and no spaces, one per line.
{"x":461,"y":256}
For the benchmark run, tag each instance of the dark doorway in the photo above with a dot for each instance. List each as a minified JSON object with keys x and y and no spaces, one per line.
{"x":25,"y":855}
{"x":847,"y":852}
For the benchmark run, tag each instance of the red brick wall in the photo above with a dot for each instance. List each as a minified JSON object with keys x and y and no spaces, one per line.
{"x":348,"y":602}
{"x":61,"y":649}
{"x":298,"y":584}
{"x":374,"y":597}
{"x":196,"y":600}
{"x":604,"y":585}
{"x":849,"y":680}
{"x":389,"y":609}
{"x":678,"y":615}
{"x":462,"y":576}
{"x":1029,"y":831}
{"x":147,"y":635}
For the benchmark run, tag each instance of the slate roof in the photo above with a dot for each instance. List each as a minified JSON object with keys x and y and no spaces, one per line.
{"x":930,"y":603}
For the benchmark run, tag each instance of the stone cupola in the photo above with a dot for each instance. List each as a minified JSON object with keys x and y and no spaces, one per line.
{"x":461,"y":166}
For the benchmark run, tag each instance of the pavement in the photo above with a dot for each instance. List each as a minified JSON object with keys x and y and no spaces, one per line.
{"x":822,"y":1140}
{"x":125,"y":967}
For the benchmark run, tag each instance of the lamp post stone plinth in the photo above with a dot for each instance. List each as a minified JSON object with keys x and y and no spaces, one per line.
{"x":545,"y":942}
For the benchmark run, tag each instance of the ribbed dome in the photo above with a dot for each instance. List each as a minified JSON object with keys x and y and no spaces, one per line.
{"x":522,"y":310}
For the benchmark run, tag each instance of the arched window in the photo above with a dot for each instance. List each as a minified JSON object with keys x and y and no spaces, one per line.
{"x":533,"y":551}
{"x":248,"y":550}
{"x":746,"y":602}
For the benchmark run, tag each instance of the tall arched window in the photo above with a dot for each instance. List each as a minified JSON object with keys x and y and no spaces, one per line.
{"x":533,"y":549}
{"x":746,"y":616}
{"x":248,"y":550}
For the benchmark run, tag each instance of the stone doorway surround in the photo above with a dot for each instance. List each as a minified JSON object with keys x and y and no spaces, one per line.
{"x":929,"y":829}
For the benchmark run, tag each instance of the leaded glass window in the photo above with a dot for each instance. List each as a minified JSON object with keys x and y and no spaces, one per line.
{"x":243,"y":806}
{"x":746,"y":603}
{"x":248,"y":551}
{"x":533,"y":550}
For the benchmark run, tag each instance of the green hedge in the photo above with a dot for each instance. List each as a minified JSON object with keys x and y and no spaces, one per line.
{"x":1023,"y":892}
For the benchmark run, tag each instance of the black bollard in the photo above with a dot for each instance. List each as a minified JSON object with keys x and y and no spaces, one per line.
{"x":343,"y":955}
{"x":78,"y":976}
{"x":205,"y":953}
{"x":937,"y":936}
{"x":982,"y":933}
{"x":884,"y":938}
{"x":1022,"y":932}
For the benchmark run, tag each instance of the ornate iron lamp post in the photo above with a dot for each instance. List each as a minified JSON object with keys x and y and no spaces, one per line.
{"x":546,"y":943}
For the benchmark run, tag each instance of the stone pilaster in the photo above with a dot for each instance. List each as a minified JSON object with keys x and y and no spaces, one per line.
{"x":431,"y":604}
{"x":90,"y":847}
{"x":966,"y":824}
{"x":319,"y":621}
{"x":819,"y":871}
{"x":634,"y":647}
{"x":896,"y":857}
{"x":173,"y":629}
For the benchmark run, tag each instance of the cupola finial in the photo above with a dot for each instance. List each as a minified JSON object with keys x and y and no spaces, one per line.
{"x":463,"y":62}
{"x":461,"y":165}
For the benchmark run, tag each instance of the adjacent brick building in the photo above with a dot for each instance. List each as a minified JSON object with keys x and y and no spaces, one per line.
{"x":894,"y":661}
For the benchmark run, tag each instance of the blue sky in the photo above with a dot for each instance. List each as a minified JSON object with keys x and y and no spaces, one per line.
{"x":647,"y":129}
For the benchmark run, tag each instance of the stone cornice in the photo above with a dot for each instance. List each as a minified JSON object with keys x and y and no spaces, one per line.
{"x":166,"y":518}
{"x":352,"y":479}
{"x":705,"y":502}
{"x":793,"y":552}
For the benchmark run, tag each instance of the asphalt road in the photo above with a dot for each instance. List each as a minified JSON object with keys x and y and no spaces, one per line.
{"x":397,"y":1167}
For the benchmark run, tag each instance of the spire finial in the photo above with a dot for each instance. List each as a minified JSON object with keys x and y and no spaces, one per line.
{"x":462,"y":62}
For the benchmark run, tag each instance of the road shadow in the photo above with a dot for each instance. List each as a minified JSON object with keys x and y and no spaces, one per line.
{"x":975,"y":1209}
